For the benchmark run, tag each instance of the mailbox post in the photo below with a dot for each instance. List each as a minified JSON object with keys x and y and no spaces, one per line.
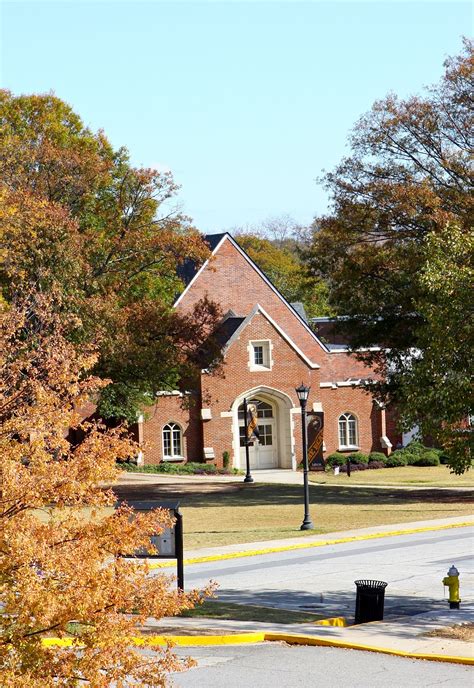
{"x":169,"y":543}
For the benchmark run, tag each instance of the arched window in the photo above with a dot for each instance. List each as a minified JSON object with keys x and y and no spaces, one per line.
{"x":348,"y":433}
{"x":172,"y":441}
{"x":264,"y":410}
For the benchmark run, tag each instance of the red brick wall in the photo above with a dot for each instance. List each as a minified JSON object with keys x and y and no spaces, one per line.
{"x":170,"y":409}
{"x":235,"y":284}
{"x":288,"y":371}
{"x":353,"y":400}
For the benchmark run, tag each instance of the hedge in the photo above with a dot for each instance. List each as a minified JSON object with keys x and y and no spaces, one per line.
{"x":358,"y":458}
{"x":398,"y":458}
{"x":377,"y":457}
{"x":427,"y":458}
{"x":188,"y":468}
{"x":336,"y":459}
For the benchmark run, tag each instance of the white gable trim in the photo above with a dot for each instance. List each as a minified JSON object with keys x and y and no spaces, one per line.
{"x":265,"y":279}
{"x":203,"y":266}
{"x":282,"y":333}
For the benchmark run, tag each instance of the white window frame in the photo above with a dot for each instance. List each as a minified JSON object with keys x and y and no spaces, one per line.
{"x":172,"y":426}
{"x":346,"y":417}
{"x":267,"y":348}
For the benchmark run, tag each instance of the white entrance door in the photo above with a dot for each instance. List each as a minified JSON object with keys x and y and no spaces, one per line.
{"x":264,"y":451}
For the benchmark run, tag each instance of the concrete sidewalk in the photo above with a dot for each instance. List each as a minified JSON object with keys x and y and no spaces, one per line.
{"x":407,"y":635}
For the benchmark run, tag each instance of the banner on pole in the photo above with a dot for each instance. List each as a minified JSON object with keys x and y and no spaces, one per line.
{"x":315,"y":428}
{"x":252,"y":422}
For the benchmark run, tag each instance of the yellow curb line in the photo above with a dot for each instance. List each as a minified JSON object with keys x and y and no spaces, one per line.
{"x":307,"y":545}
{"x":337,"y":621}
{"x":259,"y":637}
{"x":313,"y":640}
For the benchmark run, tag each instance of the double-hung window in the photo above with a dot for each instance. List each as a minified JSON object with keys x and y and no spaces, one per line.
{"x":260,"y":355}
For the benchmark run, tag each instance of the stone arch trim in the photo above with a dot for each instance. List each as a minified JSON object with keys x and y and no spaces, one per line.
{"x":285,"y":409}
{"x":264,"y":390}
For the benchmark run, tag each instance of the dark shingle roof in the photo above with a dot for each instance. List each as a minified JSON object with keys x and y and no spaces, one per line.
{"x":227,"y":328}
{"x":188,"y":268}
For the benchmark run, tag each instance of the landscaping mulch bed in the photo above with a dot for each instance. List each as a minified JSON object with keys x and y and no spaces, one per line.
{"x":457,"y":632}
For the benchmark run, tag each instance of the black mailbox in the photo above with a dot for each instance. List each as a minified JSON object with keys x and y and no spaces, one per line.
{"x":169,"y":543}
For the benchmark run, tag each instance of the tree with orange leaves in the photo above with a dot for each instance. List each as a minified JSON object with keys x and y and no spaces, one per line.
{"x":61,"y":540}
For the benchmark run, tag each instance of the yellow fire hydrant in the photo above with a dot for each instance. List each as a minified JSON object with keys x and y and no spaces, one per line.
{"x":452,"y":581}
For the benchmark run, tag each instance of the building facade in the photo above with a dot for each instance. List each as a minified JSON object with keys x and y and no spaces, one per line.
{"x":269,"y":349}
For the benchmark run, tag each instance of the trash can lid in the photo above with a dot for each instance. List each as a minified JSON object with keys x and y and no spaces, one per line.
{"x":366,"y":583}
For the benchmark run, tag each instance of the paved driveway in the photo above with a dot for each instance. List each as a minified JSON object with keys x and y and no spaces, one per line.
{"x":276,"y":665}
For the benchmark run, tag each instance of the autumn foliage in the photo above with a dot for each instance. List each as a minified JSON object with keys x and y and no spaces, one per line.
{"x":61,"y":540}
{"x":76,"y":218}
{"x":396,"y":252}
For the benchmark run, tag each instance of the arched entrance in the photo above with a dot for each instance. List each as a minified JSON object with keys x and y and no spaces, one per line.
{"x":275,"y":446}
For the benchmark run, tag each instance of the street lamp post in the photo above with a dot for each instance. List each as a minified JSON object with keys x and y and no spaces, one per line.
{"x":303,"y":392}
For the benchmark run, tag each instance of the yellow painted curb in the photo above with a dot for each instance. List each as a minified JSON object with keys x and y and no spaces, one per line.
{"x":259,"y":637}
{"x":338,"y":621}
{"x":60,"y":642}
{"x":192,"y":640}
{"x":308,"y":545}
{"x":314,"y":640}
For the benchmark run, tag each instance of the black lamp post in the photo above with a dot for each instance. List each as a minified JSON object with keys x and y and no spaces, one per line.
{"x":303,"y":392}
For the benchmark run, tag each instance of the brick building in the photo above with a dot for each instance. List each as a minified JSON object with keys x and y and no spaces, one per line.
{"x":269,"y":349}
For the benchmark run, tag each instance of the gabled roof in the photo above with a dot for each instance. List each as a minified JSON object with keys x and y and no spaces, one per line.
{"x":245,"y":321}
{"x":191,"y":273}
{"x":227,"y":328}
{"x":188,"y":269}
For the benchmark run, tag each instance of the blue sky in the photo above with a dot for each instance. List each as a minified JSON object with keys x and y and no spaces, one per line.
{"x":246,"y":102}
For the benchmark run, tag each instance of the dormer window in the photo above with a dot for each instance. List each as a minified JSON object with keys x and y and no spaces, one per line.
{"x":260,"y":355}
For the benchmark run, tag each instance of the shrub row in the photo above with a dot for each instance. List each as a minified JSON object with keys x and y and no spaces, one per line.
{"x":356,"y":459}
{"x":414,"y":454}
{"x":189,"y":468}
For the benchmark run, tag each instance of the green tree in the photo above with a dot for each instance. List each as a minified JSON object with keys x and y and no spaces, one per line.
{"x":409,"y":177}
{"x":78,"y":220}
{"x":436,"y":383}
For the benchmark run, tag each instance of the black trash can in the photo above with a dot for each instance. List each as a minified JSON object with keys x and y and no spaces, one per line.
{"x":369,"y":601}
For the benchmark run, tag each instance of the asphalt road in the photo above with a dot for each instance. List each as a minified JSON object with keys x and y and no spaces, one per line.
{"x":276,"y":665}
{"x":322,"y":579}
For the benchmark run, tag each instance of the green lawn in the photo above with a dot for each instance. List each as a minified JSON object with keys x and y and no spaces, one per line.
{"x":239,"y":612}
{"x":436,"y":476}
{"x":227,"y":513}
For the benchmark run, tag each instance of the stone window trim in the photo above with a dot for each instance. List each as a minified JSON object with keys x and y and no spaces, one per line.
{"x":260,"y":355}
{"x":172,"y":441}
{"x":348,"y":431}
